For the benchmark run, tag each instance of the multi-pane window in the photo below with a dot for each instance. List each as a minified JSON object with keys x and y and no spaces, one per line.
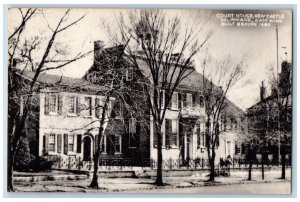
{"x":72,"y":105}
{"x":175,"y":100}
{"x":237,"y":148}
{"x":71,"y":143}
{"x":53,"y":103}
{"x":133,"y":139}
{"x":171,"y":132}
{"x":198,"y":135}
{"x":189,"y":100}
{"x":88,"y":106}
{"x":59,"y":143}
{"x":118,"y":143}
{"x":52,"y":142}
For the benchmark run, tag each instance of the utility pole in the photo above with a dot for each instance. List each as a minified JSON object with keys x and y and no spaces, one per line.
{"x":278,"y":121}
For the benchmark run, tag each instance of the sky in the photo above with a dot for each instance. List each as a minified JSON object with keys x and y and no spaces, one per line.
{"x":256,"y":44}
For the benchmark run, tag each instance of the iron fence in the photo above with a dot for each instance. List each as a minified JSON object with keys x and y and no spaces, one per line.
{"x":77,"y":163}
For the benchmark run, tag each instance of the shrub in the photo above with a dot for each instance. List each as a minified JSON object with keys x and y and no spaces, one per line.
{"x":23,"y":157}
{"x":40,"y":164}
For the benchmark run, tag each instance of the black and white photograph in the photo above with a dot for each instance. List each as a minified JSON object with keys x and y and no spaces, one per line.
{"x":149,"y":100}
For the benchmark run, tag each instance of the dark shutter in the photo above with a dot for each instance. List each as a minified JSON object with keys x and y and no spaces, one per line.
{"x":60,"y":104}
{"x":65,"y":143}
{"x":46,"y":143}
{"x":179,"y":101}
{"x":97,"y":108}
{"x":78,"y":106}
{"x":96,"y":143}
{"x":79,"y":137}
{"x":59,"y":143}
{"x":46,"y":104}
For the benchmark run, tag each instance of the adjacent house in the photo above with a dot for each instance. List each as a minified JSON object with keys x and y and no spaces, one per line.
{"x":270,"y":119}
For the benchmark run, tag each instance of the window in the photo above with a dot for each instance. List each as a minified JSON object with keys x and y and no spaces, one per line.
{"x":237,"y":148}
{"x":88,"y":106}
{"x":117,"y":110}
{"x":171,"y":132}
{"x":98,"y":108}
{"x":175,"y":100}
{"x":194,"y":100}
{"x":189,"y":100}
{"x":72,"y":105}
{"x":198,"y":135}
{"x":129,"y":74}
{"x":53,"y":103}
{"x":52,"y":143}
{"x":71,"y":143}
{"x":174,"y":133}
{"x":117,"y":144}
{"x":133,"y":141}
{"x":59,"y":143}
{"x":202,"y":140}
{"x":201,"y":100}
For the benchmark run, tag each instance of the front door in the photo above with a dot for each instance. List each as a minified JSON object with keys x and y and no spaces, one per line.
{"x":87,"y":148}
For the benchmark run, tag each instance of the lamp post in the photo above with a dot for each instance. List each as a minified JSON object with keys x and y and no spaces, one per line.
{"x":278,"y":121}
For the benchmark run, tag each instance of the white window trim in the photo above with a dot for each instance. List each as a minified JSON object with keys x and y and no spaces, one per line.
{"x":129,"y":145}
{"x":87,"y":110}
{"x":56,"y":104}
{"x":75,"y":105}
{"x":189,"y":100}
{"x":173,"y":107}
{"x":120,"y":143}
{"x":71,"y":152}
{"x":55,"y":140}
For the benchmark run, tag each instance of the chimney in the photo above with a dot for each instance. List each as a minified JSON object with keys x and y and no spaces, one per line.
{"x":98,"y":46}
{"x":262,"y":91}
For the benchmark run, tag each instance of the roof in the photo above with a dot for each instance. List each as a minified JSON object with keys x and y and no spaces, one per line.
{"x":56,"y":80}
{"x":194,"y":80}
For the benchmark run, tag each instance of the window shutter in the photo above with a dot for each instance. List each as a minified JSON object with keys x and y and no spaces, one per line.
{"x":46,"y":143}
{"x":59,"y":143}
{"x":175,"y":132}
{"x":96,"y":143}
{"x":46,"y":107}
{"x":59,"y":109}
{"x":97,"y":108}
{"x":179,"y":101}
{"x":79,"y":137}
{"x":65,"y":143}
{"x":78,"y":106}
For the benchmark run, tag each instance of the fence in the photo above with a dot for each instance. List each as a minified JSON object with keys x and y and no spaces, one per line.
{"x":77,"y":163}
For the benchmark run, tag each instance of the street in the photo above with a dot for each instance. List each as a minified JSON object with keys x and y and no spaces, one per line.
{"x":263,"y":188}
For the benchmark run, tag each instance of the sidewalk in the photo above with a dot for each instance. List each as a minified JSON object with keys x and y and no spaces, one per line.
{"x":136,"y":184}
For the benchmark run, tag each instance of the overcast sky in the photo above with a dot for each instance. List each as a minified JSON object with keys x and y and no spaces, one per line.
{"x":258,"y":44}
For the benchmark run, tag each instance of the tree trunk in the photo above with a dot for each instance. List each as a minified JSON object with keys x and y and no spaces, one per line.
{"x":94,"y":183}
{"x":212,"y":167}
{"x":250,"y":169}
{"x":262,"y":169}
{"x":159,"y":178}
{"x":283,"y":167}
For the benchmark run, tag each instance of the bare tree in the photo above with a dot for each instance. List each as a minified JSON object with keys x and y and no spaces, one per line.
{"x":218,"y":79}
{"x":27,"y":53}
{"x":162,"y":48}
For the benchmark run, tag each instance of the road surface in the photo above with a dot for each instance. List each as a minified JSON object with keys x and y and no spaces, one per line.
{"x":261,"y":188}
